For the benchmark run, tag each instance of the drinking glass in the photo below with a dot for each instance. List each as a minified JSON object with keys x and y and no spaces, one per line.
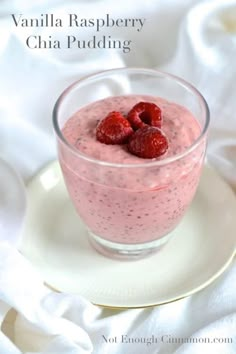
{"x":130,"y":209}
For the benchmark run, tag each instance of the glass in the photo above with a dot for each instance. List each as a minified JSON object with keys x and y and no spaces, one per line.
{"x":126,"y":219}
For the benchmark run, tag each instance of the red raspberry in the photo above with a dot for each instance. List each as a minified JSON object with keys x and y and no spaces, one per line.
{"x":148,"y":142}
{"x":145,"y":113}
{"x":114,"y":129}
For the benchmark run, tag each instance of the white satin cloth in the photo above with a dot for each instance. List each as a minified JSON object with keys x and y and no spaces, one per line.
{"x":189,"y":38}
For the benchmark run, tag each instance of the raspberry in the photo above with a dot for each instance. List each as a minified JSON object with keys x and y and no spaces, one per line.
{"x":148,"y":142}
{"x":143,"y":114}
{"x":114,"y":129}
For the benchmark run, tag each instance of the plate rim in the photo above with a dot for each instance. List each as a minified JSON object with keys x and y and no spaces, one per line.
{"x":161,"y":303}
{"x":54,"y":164}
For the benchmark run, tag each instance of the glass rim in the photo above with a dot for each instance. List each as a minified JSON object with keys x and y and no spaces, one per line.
{"x":153,"y":162}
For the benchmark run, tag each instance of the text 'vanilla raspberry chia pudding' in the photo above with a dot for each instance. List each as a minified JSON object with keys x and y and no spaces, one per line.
{"x":121,"y":200}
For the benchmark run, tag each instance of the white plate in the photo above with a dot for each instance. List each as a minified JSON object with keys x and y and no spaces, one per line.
{"x":55,"y":241}
{"x":12,"y":204}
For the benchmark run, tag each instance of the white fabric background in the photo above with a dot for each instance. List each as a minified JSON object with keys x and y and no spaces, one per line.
{"x":190,"y":38}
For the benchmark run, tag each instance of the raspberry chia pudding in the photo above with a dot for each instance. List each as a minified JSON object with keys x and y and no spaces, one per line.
{"x":140,"y":205}
{"x":131,"y":162}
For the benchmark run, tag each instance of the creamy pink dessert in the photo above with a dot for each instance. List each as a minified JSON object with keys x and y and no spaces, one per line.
{"x":136,"y":203}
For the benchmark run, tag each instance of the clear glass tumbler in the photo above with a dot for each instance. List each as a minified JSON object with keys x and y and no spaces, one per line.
{"x":126,"y":219}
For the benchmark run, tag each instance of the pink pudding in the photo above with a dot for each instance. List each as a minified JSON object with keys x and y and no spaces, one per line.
{"x":131,"y":204}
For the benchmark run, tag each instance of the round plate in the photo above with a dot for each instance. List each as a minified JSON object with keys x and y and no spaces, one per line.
{"x":12,"y":204}
{"x":56,"y":243}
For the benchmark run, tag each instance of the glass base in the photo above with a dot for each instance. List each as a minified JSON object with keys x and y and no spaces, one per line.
{"x":126,"y":251}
